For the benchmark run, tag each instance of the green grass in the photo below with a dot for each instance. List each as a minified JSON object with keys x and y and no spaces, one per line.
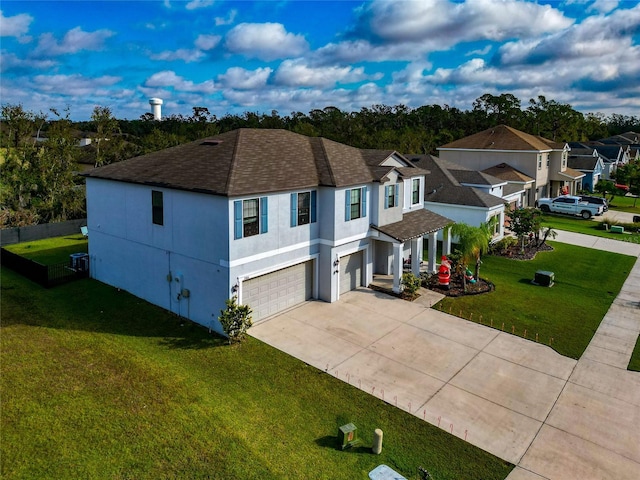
{"x":626,"y":204}
{"x":634,"y":363}
{"x":587,"y":227}
{"x":99,"y":384}
{"x":51,"y":250}
{"x":586,"y":283}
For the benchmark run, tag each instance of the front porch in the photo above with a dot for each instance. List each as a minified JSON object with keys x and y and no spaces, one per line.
{"x":398,"y":247}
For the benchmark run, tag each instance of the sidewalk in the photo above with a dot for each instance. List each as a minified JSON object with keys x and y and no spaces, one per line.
{"x":593,"y":430}
{"x":599,"y":243}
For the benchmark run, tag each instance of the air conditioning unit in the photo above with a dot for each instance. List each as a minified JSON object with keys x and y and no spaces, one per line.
{"x":79,"y":262}
{"x":544,"y":278}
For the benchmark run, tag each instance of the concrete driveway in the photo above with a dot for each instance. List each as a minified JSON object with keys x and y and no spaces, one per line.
{"x":493,"y":389}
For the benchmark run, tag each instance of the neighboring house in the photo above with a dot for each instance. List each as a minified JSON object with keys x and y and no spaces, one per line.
{"x":612,"y":155}
{"x":518,"y":184}
{"x":464,"y":195}
{"x":271,"y":216}
{"x":591,"y":165}
{"x":541,"y":159}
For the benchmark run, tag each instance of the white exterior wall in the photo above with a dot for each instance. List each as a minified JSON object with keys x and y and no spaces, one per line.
{"x":128,"y":251}
{"x":473,"y":216}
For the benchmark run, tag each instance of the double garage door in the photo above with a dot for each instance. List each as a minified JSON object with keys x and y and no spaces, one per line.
{"x":279,"y":290}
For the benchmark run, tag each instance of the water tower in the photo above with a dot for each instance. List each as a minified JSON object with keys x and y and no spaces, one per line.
{"x":156,"y":108}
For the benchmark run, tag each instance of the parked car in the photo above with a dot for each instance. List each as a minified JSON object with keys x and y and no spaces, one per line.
{"x":619,"y":186}
{"x":570,"y":205}
{"x":596,"y":201}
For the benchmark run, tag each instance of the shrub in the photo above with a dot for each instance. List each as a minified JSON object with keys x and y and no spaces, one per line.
{"x":235,"y":320}
{"x":504,"y":244}
{"x":411,"y":283}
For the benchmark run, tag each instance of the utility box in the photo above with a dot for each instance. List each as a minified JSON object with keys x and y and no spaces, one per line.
{"x":79,"y":262}
{"x":348,"y":435}
{"x":544,"y":278}
{"x":617,"y":229}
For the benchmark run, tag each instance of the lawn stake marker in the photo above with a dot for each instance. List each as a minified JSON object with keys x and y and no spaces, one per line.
{"x":525,"y":333}
{"x":424,"y":415}
{"x":503,"y":326}
{"x":513,"y":329}
{"x":438,"y":422}
{"x":536,"y":337}
{"x":451,"y":427}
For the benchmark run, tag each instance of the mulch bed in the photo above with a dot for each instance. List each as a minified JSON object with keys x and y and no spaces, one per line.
{"x":456,"y":288}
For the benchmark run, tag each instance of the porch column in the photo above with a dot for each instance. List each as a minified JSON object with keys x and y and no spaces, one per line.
{"x":397,"y":266}
{"x":433,"y":251}
{"x":446,"y":241}
{"x":416,"y":255}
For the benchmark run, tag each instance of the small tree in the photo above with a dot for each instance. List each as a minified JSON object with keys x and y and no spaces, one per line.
{"x":524,"y":222}
{"x":472,"y":243}
{"x":235,"y":320}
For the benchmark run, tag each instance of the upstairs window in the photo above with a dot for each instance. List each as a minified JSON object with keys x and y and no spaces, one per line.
{"x":157,"y":207}
{"x":303,"y":208}
{"x":539,"y":161}
{"x":391,"y":196}
{"x":415,"y":191}
{"x":548,"y":159}
{"x":250,"y":217}
{"x":355,"y":203}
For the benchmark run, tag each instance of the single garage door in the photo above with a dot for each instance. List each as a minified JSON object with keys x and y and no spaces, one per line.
{"x":350,"y":272}
{"x":277,"y":291}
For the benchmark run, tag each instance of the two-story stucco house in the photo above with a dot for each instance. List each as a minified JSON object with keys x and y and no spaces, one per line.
{"x":273,"y":217}
{"x":541,"y":159}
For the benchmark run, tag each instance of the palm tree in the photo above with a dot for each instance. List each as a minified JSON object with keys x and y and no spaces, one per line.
{"x":472,"y":243}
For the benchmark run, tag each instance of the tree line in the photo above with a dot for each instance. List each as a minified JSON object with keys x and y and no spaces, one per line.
{"x":39,"y":153}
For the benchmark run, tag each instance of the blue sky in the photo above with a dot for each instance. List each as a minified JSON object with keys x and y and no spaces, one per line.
{"x":288,"y":56}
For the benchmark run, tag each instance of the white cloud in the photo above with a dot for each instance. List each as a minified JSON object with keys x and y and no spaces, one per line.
{"x":75,"y":40}
{"x":9,"y":61}
{"x":242,"y":79}
{"x":73,"y":85}
{"x":228,"y":20}
{"x":603,"y":6}
{"x":202,"y":43}
{"x":169,"y":79}
{"x":265,"y":41}
{"x":297,"y":73}
{"x":184,"y":54}
{"x":195,"y":4}
{"x":15,"y":26}
{"x":482,"y":51}
{"x":207,"y":42}
{"x":422,"y":20}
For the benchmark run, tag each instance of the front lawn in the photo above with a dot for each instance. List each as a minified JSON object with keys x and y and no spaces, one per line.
{"x":625,"y":204}
{"x":99,"y":384}
{"x":564,"y":316}
{"x":51,"y":250}
{"x":587,"y":227}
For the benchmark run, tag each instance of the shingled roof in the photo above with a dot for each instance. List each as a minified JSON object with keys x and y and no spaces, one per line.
{"x":414,"y":224}
{"x":442,"y":186}
{"x":503,"y":137}
{"x":506,"y":172}
{"x":252,"y":161}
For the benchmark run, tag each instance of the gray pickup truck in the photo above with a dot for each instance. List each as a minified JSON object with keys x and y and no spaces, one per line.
{"x":570,"y":205}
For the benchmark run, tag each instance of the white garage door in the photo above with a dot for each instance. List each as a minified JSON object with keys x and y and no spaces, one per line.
{"x":350,"y":272}
{"x":277,"y":291}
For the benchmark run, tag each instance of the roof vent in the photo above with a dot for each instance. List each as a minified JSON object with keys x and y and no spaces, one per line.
{"x":211,"y":142}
